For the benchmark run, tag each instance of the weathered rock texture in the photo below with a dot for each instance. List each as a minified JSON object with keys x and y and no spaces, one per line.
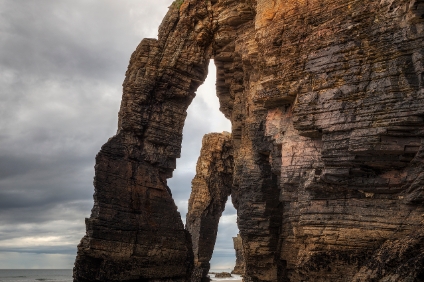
{"x":326,"y":100}
{"x":396,"y":260}
{"x":238,"y":247}
{"x":210,"y":190}
{"x":135,"y":232}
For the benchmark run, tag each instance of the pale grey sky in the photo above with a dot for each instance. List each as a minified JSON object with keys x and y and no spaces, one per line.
{"x":62,"y":64}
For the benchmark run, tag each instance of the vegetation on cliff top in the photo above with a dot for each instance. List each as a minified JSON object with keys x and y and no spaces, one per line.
{"x":178,"y":3}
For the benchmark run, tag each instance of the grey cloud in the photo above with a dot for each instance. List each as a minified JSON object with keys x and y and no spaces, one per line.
{"x":12,"y":260}
{"x":91,"y":38}
{"x":229,"y":208}
{"x":180,"y":185}
{"x":40,"y":183}
{"x":67,"y":250}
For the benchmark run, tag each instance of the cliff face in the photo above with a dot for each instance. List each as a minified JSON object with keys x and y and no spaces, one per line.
{"x":210,"y":190}
{"x":326,"y":100}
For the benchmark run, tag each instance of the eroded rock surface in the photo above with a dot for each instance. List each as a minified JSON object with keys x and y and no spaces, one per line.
{"x":399,"y":260}
{"x":326,"y":100}
{"x":210,"y":190}
{"x":135,"y":232}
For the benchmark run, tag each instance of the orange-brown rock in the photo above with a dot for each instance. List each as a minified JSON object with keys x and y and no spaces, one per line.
{"x":238,"y":247}
{"x":326,"y":100}
{"x":210,"y":190}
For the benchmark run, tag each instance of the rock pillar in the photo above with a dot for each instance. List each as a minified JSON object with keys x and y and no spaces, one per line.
{"x":210,"y":190}
{"x":238,"y":247}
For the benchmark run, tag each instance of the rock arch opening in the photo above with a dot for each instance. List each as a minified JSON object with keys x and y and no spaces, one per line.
{"x":203,"y":118}
{"x":224,"y":256}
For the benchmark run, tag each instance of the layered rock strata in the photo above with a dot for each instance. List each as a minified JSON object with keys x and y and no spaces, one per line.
{"x":238,"y":247}
{"x":135,"y":232}
{"x":326,"y":100}
{"x":210,"y":190}
{"x":396,"y":260}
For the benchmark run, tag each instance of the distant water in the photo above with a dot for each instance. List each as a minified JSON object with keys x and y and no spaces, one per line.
{"x":62,"y":275}
{"x":34,"y":275}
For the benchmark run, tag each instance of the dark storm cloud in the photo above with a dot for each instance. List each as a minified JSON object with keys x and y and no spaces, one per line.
{"x":62,"y":64}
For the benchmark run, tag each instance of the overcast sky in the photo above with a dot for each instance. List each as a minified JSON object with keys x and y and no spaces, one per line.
{"x":62,"y":64}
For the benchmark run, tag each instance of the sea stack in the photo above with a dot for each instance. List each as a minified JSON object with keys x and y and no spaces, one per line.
{"x":210,"y":190}
{"x":238,"y":247}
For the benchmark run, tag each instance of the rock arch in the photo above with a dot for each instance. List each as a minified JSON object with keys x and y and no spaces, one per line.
{"x":135,"y":232}
{"x":326,"y":102}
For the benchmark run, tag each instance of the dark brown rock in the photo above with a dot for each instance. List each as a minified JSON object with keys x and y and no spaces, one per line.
{"x":135,"y":232}
{"x":399,"y":260}
{"x":326,"y":100}
{"x":223,"y":275}
{"x":210,"y":190}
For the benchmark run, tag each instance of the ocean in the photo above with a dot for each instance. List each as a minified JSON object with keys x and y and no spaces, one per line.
{"x":62,"y":275}
{"x":34,"y":275}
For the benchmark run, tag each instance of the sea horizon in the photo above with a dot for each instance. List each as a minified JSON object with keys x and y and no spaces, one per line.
{"x":26,"y":275}
{"x":65,"y":275}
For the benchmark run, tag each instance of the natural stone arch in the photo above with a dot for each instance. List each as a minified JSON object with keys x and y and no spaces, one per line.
{"x":326,"y":103}
{"x":135,"y":232}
